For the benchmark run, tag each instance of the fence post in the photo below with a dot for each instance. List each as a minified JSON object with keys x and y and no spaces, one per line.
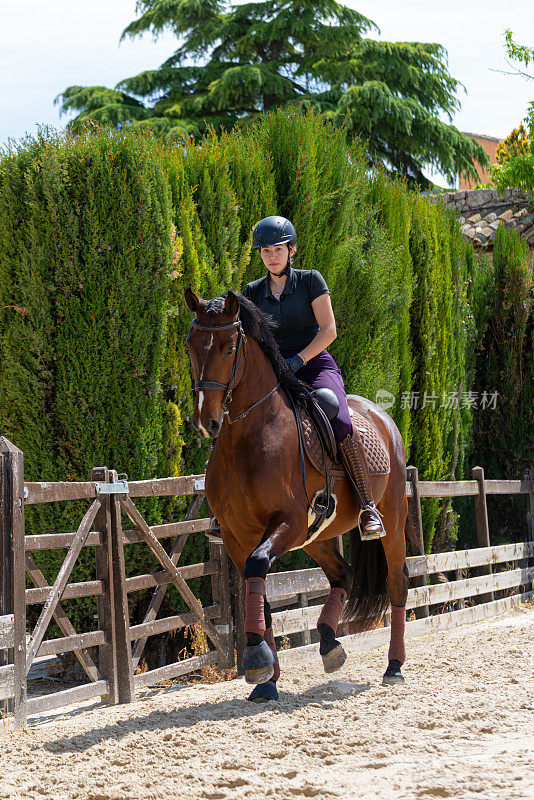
{"x":107,"y":653}
{"x":220,"y":587}
{"x":305,"y":635}
{"x":125,"y":682}
{"x":237,"y":584}
{"x":13,"y":571}
{"x":482,"y":525}
{"x":528,"y":562}
{"x":530,"y":508}
{"x":414,"y":506}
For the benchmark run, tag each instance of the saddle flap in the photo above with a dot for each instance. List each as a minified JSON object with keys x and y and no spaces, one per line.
{"x":324,"y":428}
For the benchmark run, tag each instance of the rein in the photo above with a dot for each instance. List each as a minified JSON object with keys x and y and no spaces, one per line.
{"x":240,"y":350}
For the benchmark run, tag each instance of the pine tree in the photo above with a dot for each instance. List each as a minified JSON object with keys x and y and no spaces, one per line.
{"x":233,"y":64}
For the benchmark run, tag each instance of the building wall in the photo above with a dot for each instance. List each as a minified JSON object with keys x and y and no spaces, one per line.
{"x":490,"y":144}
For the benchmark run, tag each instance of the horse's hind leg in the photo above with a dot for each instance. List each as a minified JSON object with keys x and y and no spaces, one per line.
{"x":394,"y":545}
{"x":338,"y":573}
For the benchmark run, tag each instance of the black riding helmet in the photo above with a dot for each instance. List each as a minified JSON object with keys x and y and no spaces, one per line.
{"x":273,"y":230}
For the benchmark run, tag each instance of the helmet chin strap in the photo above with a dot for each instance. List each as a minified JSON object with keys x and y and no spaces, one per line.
{"x":285,"y":271}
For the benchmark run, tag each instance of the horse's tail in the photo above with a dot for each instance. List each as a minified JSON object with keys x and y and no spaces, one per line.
{"x":367,"y":598}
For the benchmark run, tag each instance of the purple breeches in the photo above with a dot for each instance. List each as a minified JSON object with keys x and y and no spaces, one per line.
{"x":322,"y":372}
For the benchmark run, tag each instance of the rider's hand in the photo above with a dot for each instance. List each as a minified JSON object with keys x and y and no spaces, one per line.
{"x":295,"y":363}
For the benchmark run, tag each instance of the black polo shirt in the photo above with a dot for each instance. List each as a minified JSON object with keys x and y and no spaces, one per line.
{"x":293,"y":313}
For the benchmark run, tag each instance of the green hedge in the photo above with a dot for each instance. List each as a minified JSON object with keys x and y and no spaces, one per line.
{"x":99,"y":237}
{"x":503,"y":430}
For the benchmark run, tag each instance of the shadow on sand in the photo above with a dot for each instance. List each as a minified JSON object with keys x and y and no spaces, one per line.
{"x":188,"y":716}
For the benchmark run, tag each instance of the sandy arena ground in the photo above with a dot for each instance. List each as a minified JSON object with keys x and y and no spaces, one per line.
{"x":461,"y":727}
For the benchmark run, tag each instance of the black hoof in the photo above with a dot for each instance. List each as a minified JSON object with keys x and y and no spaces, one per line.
{"x":393,"y":673}
{"x":258,"y":661}
{"x":264,"y":692}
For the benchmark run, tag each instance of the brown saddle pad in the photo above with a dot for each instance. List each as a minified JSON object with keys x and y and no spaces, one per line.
{"x":377,"y":457}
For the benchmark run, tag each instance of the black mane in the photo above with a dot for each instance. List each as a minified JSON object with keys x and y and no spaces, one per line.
{"x":260,"y":327}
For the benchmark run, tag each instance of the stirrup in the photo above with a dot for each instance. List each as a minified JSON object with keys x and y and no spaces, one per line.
{"x":369,"y":536}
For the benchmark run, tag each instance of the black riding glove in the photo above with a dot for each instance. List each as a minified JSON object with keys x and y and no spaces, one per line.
{"x":294,"y":363}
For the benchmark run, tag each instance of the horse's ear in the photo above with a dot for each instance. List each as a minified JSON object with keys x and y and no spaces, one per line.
{"x":193,"y":303}
{"x":231,"y":304}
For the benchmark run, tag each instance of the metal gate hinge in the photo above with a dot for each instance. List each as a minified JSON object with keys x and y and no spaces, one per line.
{"x":199,"y":484}
{"x":121,"y":487}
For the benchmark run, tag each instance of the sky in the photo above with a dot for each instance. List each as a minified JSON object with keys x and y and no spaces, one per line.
{"x":45,"y":47}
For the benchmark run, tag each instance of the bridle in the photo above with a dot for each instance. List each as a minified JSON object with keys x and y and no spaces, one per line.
{"x":240,"y":352}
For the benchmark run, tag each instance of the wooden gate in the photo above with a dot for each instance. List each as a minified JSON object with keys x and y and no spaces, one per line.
{"x":220,"y":635}
{"x":112,"y":676}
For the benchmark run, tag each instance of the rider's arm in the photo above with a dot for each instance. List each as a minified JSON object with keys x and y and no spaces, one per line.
{"x":322,"y":308}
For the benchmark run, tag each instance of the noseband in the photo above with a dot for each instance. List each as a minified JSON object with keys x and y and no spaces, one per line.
{"x":240,"y":350}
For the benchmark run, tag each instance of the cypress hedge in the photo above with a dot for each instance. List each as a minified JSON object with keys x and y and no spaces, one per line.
{"x":85,"y":255}
{"x":503,"y":429}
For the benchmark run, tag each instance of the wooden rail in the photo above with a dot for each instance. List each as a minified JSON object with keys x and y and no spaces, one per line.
{"x":113,"y":675}
{"x":313,"y":580}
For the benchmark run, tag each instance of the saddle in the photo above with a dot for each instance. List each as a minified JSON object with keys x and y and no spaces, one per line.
{"x":317,"y":441}
{"x":318,"y":438}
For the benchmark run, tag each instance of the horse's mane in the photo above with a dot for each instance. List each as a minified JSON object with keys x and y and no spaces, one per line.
{"x":260,"y":327}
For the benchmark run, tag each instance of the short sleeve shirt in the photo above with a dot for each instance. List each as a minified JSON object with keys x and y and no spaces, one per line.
{"x":293,"y":313}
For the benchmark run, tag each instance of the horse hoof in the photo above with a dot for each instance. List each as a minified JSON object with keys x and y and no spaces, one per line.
{"x":258,"y":661}
{"x":335,"y":659}
{"x":393,"y":673}
{"x":259,"y":675}
{"x":264,"y":692}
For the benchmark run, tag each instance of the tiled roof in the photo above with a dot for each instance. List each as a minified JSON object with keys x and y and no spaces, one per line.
{"x":481,"y":229}
{"x":482,"y":211}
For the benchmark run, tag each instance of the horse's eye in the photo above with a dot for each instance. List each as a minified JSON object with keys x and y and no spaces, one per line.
{"x":230,"y":351}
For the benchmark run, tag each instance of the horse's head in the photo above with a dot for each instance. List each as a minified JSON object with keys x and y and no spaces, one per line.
{"x":216,"y":345}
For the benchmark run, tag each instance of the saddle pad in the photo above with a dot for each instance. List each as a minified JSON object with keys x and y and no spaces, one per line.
{"x":377,"y":458}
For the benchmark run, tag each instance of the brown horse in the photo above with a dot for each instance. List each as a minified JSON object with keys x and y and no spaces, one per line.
{"x":254,"y":485}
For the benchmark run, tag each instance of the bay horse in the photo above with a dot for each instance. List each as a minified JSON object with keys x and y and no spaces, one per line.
{"x":244,"y":395}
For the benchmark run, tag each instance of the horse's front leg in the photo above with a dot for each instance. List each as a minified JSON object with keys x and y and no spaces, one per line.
{"x":260,"y":663}
{"x":267,"y":690}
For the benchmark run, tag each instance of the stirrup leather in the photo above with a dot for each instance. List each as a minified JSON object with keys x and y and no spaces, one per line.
{"x":353,"y":454}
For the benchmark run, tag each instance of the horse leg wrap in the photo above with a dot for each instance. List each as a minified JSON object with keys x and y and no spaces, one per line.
{"x":397,"y":648}
{"x":254,"y":607}
{"x":269,"y":638}
{"x":332,"y":608}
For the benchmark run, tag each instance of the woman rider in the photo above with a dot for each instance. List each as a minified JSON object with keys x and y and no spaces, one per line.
{"x":299,"y":300}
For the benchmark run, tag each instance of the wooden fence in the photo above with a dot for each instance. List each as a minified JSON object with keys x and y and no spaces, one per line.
{"x":113,"y":674}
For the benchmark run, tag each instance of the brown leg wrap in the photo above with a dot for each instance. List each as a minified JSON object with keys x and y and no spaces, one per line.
{"x":332,"y":608}
{"x":269,"y":638}
{"x":397,"y":648}
{"x":254,"y":610}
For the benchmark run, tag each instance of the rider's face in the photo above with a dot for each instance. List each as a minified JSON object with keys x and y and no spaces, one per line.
{"x":275,"y":257}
